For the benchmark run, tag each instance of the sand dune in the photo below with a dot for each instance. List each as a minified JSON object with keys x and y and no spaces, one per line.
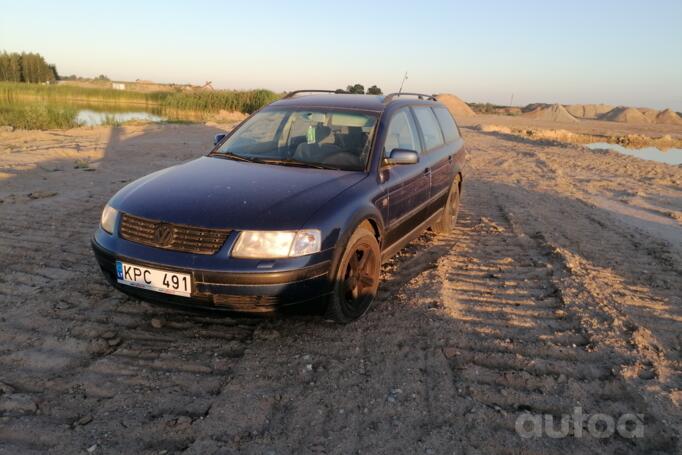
{"x":572,"y":113}
{"x":649,"y":113}
{"x":590,"y":111}
{"x":665,"y":117}
{"x":625,"y":115}
{"x":668,"y":117}
{"x":554,"y":113}
{"x":456,"y":106}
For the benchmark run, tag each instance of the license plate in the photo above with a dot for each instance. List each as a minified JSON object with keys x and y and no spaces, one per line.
{"x":154,"y":279}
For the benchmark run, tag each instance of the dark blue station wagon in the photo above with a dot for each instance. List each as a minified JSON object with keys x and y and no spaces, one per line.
{"x":301,"y":202}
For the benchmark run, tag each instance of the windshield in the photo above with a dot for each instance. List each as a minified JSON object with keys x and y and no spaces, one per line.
{"x":312,"y":138}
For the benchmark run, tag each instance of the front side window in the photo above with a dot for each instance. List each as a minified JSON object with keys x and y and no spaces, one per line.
{"x":401,"y":133}
{"x":317,"y":138}
{"x":433,"y":137}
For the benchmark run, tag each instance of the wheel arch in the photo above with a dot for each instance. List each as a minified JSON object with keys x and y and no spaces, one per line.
{"x":373,"y":225}
{"x":372,"y":221}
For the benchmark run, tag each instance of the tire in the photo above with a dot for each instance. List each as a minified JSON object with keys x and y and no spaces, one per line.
{"x":357,"y":278}
{"x":450,"y":211}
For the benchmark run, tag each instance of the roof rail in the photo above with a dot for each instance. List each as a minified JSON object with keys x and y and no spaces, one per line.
{"x":296,"y":92}
{"x":421,"y":96}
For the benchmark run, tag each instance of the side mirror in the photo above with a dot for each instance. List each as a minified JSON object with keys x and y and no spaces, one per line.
{"x":402,"y":156}
{"x":218,"y":137}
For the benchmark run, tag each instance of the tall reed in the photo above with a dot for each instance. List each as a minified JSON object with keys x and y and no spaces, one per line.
{"x":246,"y":101}
{"x":37,"y":116}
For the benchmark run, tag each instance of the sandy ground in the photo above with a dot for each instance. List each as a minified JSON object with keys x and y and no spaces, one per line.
{"x":560,"y":288}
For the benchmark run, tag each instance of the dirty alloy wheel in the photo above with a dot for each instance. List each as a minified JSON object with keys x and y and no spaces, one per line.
{"x":450,"y":211}
{"x":357,"y":279}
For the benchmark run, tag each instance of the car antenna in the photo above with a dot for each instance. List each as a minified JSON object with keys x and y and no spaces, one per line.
{"x":401,"y":84}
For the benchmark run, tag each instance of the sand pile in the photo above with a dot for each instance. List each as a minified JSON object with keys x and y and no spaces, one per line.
{"x":650,"y":114}
{"x":625,"y":115}
{"x":589,"y":111}
{"x":456,"y":106}
{"x":668,"y":117}
{"x":553,"y":113}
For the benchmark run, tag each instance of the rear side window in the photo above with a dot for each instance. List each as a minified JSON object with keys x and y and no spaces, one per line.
{"x":401,"y":133}
{"x":433,"y":137}
{"x":447,"y":124}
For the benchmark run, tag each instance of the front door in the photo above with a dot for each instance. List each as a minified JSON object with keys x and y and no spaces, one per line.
{"x":407,"y":186}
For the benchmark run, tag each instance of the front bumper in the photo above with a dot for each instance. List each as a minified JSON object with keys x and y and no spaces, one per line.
{"x":244,"y":291}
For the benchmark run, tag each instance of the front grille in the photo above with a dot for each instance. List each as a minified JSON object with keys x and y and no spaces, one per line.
{"x":244,"y":301}
{"x":188,"y":239}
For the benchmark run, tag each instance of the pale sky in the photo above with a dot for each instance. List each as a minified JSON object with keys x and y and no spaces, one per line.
{"x":617,"y":52}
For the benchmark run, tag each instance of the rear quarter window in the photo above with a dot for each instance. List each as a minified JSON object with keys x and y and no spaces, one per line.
{"x":433,"y":137}
{"x":447,"y":124}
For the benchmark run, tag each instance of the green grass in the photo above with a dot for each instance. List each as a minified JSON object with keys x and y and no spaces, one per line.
{"x":37,"y":106}
{"x":214,"y":101}
{"x":13,"y":91}
{"x":37,"y":116}
{"x":246,"y":101}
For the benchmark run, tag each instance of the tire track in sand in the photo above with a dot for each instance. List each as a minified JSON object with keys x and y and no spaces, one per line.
{"x":523,"y":349}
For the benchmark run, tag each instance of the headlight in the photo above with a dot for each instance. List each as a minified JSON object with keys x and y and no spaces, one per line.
{"x":276,"y":244}
{"x":108,"y":220}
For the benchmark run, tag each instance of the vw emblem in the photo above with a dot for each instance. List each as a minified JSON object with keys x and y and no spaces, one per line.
{"x":163,"y":235}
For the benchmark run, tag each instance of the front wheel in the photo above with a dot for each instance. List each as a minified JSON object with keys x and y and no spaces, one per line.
{"x":450,"y":211}
{"x":357,"y":279}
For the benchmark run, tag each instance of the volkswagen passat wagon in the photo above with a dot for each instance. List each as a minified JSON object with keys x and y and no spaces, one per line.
{"x":301,"y":202}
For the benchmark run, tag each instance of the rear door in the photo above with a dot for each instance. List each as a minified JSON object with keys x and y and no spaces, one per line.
{"x":438,"y":153}
{"x":407,"y":185}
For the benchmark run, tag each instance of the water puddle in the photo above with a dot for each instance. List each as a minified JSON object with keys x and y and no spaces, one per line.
{"x":93,"y":118}
{"x":670,"y":156}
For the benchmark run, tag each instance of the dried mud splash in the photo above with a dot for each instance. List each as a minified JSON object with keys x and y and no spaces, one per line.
{"x":531,"y":305}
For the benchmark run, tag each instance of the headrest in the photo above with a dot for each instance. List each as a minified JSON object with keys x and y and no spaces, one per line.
{"x":321,"y":132}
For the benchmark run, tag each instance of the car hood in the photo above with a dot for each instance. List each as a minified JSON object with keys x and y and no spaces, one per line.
{"x":222,"y":193}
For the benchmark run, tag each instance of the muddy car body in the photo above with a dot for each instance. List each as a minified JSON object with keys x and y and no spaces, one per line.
{"x":300,"y":202}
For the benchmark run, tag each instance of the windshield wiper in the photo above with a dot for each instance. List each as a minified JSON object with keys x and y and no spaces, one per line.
{"x":234,"y":156}
{"x":286,"y":162}
{"x":296,"y":163}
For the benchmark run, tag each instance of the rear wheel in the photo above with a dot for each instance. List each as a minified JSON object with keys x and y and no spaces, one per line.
{"x":450,"y":211}
{"x":357,"y":279}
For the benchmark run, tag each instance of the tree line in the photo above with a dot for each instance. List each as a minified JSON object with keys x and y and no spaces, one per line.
{"x":359,"y":89}
{"x":26,"y":67}
{"x":73,"y":77}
